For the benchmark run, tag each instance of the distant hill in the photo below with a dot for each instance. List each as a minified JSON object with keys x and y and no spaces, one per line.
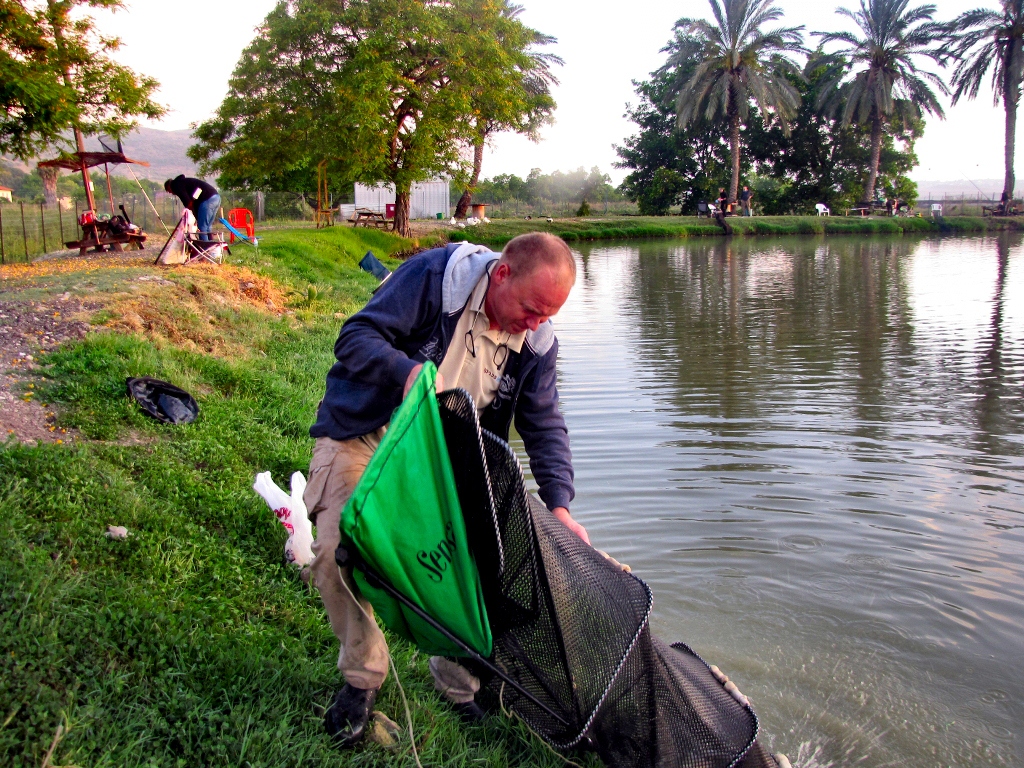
{"x":163,"y":150}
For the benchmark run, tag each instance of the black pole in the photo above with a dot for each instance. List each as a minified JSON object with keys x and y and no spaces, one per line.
{"x":42,"y":226}
{"x":24,"y":232}
{"x":341,"y":555}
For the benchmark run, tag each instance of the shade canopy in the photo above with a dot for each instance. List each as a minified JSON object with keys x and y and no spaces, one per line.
{"x":73,"y":161}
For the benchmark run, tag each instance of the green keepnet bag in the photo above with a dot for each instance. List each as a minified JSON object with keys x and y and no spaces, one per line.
{"x":405,"y":522}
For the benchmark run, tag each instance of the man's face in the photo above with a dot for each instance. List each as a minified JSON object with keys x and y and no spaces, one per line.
{"x":515,"y":304}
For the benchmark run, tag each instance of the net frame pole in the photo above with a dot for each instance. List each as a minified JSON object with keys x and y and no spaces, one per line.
{"x":344,"y":558}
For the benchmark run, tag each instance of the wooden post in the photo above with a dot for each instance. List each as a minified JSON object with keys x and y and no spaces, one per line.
{"x":80,"y":142}
{"x":60,"y":216}
{"x":110,"y":192}
{"x":3,"y":250}
{"x":24,"y":233}
{"x":42,"y":226}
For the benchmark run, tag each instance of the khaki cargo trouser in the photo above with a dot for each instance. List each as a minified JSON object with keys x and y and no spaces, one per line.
{"x":334,"y":471}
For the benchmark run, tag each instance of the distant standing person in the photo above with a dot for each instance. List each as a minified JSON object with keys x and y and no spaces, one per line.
{"x":745,"y":197}
{"x":199,"y":197}
{"x":722,"y":200}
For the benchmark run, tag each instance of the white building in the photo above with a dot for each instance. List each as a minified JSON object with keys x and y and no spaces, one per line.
{"x":427,"y":199}
{"x":6,"y":193}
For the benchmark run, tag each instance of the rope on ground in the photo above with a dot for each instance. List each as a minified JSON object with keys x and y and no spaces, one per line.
{"x":512,"y":715}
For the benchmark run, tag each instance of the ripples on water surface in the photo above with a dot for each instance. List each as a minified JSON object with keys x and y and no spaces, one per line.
{"x":812,"y":450}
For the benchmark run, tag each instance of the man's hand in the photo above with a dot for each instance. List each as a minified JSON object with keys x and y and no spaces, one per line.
{"x":563,"y":514}
{"x":411,"y":379}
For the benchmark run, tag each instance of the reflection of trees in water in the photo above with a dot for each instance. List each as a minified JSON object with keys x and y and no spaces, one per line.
{"x":998,"y":411}
{"x":738,"y":324}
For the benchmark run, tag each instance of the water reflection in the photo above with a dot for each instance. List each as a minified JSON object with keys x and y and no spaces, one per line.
{"x":812,"y":450}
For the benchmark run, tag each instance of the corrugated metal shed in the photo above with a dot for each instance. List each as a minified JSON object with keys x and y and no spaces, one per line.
{"x":428,"y":198}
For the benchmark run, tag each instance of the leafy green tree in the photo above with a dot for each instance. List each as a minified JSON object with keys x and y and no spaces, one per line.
{"x":982,"y":40}
{"x":821,"y":160}
{"x":57,"y":78}
{"x":670,"y":165}
{"x":735,"y":62}
{"x":519,"y":97}
{"x":880,"y":81}
{"x":272,"y":128}
{"x":387,"y":90}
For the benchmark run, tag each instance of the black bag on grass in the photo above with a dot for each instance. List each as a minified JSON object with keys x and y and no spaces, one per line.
{"x":163,"y":401}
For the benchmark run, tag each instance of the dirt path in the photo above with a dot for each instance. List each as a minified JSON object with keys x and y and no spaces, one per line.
{"x":26,"y":329}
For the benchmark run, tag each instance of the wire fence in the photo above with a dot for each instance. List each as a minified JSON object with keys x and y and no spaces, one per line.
{"x":29,"y":230}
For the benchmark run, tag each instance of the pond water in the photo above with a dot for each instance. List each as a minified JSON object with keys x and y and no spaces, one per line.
{"x":813,"y":451}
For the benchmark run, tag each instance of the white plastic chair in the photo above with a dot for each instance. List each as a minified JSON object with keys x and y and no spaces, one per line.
{"x":822,"y":209}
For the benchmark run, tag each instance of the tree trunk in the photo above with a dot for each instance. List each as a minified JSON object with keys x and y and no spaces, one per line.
{"x":462,"y":207}
{"x":876,"y":154}
{"x":402,"y":200}
{"x":467,"y":197}
{"x":1010,"y":104}
{"x":734,"y":149}
{"x":49,"y":176}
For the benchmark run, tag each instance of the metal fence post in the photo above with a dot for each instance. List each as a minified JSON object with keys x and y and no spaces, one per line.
{"x":24,"y":232}
{"x":42,"y":227}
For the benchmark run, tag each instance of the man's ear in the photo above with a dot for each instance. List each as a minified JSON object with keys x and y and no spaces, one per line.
{"x":501,"y":273}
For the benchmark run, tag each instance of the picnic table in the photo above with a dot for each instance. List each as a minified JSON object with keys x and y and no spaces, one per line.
{"x":1010,"y":209}
{"x":365,"y":217}
{"x":100,"y":235}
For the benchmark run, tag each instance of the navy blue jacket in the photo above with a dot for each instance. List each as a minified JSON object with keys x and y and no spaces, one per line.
{"x":410,"y":320}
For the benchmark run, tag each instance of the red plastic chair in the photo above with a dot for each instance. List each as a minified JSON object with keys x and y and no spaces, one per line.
{"x":242,"y":220}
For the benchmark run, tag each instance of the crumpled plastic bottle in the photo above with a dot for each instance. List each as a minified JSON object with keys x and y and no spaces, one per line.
{"x":291,"y":511}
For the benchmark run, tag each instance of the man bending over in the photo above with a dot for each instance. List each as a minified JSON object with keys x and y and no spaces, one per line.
{"x":484,"y":320}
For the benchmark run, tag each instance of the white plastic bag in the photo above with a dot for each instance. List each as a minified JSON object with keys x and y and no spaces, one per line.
{"x":291,"y":511}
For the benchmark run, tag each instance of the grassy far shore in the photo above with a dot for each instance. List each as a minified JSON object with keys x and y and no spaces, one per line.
{"x":500,"y":231}
{"x":189,"y":643}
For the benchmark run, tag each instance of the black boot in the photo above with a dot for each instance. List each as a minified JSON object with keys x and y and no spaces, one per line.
{"x":469,"y":712}
{"x":348,"y":715}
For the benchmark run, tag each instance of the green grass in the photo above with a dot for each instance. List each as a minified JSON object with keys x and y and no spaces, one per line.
{"x":500,"y":231}
{"x":191,"y":643}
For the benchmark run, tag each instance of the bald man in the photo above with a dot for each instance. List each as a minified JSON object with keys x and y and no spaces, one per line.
{"x":484,"y":320}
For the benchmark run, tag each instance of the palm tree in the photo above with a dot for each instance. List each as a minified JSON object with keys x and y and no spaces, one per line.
{"x":880,"y":80}
{"x":982,"y":39}
{"x":729,"y":63}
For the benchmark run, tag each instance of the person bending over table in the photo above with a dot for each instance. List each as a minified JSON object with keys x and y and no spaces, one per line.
{"x":484,"y":320}
{"x":200,"y":198}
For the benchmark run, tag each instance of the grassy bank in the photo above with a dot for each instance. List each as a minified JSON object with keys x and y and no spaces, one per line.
{"x":190,"y":643}
{"x":500,"y":231}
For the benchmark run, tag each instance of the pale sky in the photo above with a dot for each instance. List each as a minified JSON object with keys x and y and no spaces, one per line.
{"x":191,"y":47}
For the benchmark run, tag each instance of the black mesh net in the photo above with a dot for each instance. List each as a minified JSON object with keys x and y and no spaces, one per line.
{"x":572,"y":629}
